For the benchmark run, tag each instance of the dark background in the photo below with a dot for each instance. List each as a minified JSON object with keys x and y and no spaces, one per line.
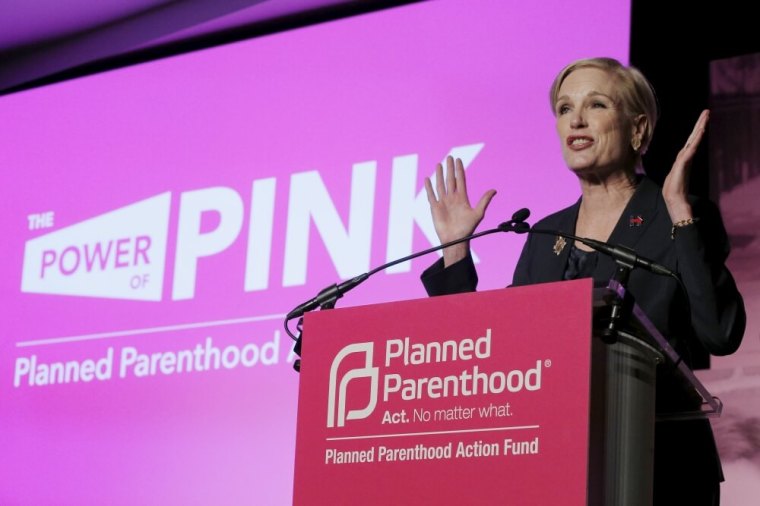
{"x":673,"y":43}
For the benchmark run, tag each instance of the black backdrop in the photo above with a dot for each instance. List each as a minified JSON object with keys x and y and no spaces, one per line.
{"x":672,"y":43}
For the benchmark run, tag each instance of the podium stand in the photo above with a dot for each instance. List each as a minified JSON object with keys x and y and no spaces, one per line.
{"x":501,"y":397}
{"x":623,"y":409}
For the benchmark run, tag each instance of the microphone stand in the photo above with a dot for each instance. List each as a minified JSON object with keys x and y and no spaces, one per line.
{"x":329,"y":295}
{"x":620,"y":307}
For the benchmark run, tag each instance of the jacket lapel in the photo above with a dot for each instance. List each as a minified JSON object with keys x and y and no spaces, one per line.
{"x":637,"y":217}
{"x":555,"y":264}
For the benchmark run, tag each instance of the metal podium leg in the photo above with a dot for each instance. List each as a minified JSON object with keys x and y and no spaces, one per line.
{"x":621,"y":456}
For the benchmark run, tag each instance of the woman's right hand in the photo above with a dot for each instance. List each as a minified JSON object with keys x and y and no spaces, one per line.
{"x":453,"y":216}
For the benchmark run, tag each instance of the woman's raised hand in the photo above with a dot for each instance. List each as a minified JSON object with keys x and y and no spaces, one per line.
{"x":453,"y":216}
{"x":675,"y":190}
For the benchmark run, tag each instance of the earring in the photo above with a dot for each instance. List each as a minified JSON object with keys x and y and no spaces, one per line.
{"x":636,"y":143}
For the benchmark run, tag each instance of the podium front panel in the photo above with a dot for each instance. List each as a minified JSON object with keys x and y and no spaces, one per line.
{"x":479,"y":398}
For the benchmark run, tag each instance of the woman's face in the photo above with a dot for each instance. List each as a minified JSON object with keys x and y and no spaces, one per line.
{"x":594,"y":130}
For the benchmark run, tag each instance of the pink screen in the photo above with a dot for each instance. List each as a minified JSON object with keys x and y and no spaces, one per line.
{"x":159,"y":220}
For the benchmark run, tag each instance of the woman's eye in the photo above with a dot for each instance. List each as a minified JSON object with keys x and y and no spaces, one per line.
{"x":599,"y":105}
{"x":563,"y":109}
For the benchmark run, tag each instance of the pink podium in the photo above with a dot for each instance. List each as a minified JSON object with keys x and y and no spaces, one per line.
{"x":500,"y":397}
{"x":480,"y":398}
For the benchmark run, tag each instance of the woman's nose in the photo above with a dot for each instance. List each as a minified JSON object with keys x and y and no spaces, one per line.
{"x":577,"y":120}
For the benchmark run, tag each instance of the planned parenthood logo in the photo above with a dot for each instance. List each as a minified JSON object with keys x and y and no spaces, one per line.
{"x":337,"y":391}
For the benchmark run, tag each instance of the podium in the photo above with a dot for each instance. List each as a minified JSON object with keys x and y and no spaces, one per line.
{"x":502,"y":397}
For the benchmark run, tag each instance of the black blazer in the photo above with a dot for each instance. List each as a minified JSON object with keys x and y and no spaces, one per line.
{"x":697,"y":254}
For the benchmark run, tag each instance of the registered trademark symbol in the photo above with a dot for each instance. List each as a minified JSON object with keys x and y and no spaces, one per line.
{"x":547,"y":363}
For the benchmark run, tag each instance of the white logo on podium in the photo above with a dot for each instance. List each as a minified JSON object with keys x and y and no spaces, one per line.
{"x":117,"y":255}
{"x":368,"y":371}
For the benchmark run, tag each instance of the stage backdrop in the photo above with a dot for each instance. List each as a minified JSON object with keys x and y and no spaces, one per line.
{"x":735,"y":181}
{"x":158,"y":221}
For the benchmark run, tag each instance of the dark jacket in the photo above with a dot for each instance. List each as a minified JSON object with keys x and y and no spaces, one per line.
{"x":697,"y":254}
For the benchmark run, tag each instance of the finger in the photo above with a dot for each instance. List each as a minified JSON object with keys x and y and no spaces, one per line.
{"x":704,"y":118}
{"x":699,"y":129}
{"x":484,"y":202}
{"x":451,"y":183}
{"x":439,"y":183}
{"x":461,"y":179}
{"x":430,"y":193}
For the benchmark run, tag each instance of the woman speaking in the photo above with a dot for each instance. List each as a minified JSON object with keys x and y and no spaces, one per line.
{"x":605,"y":117}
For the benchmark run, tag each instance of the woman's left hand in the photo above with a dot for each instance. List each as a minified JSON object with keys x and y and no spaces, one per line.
{"x":676,"y":187}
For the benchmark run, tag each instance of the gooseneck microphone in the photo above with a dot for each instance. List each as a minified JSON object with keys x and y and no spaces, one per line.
{"x":328,"y":295}
{"x":621,"y":254}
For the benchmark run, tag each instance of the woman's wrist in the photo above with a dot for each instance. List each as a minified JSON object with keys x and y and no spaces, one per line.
{"x":679,"y":211}
{"x":455,"y":253}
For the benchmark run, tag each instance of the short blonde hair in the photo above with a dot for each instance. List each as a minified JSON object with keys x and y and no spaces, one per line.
{"x":636,"y":92}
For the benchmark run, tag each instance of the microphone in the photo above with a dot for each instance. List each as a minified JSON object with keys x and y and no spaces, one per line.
{"x":628,"y":256}
{"x":328,"y":295}
{"x":621,"y":254}
{"x":517,"y":224}
{"x":518,"y":217}
{"x":335,"y":291}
